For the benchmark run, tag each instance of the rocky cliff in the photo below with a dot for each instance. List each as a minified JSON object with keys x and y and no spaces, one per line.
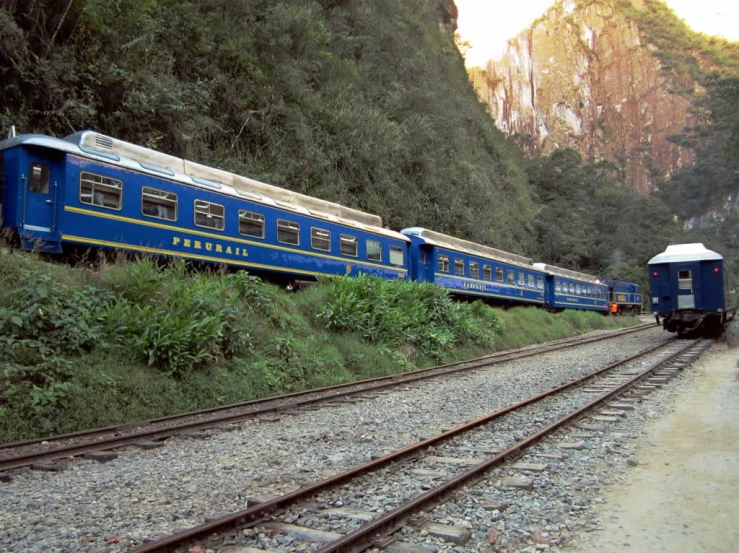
{"x":584,"y":76}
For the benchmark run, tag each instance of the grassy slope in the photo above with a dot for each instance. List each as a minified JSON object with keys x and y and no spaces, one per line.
{"x":47,"y":386}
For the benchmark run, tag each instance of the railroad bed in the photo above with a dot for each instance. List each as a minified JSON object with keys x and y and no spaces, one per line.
{"x":147,"y":493}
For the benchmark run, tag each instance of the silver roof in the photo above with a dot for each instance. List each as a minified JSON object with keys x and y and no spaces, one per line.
{"x":97,"y":146}
{"x":685,"y":252}
{"x":567,"y":273}
{"x":452,"y":243}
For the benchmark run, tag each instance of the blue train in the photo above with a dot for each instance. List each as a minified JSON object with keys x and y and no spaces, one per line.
{"x":91,"y":190}
{"x":691,"y":291}
{"x":625,"y":295}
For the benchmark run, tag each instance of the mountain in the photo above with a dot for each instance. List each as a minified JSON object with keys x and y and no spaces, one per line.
{"x":613,"y":79}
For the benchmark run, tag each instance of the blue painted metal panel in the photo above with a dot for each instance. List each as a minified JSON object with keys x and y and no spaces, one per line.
{"x":467,"y":285}
{"x":127,"y":228}
{"x":566,"y":299}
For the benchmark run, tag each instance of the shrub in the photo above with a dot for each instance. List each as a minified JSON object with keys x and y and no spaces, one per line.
{"x":394,"y":313}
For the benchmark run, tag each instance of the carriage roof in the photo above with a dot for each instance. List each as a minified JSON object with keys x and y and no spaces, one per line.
{"x":685,"y":252}
{"x":567,"y":273}
{"x":94,"y":145}
{"x":450,"y":242}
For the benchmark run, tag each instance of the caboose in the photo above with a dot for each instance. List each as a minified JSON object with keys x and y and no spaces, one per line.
{"x":691,"y":291}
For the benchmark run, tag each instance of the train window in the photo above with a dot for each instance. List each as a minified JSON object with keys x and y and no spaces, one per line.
{"x":209,"y":215}
{"x":511,"y":277}
{"x":572,"y":288}
{"x":474,"y":269}
{"x":685,"y":279}
{"x":38,"y":180}
{"x":577,"y":289}
{"x":100,"y":191}
{"x":487,"y":272}
{"x":374,"y":250}
{"x":288,"y":232}
{"x":558,"y":287}
{"x":498,"y":274}
{"x":158,"y":204}
{"x":320,"y":239}
{"x":540,"y":283}
{"x":521,"y":279}
{"x":459,"y":266}
{"x":251,"y":224}
{"x":443,"y":264}
{"x":531,"y":281}
{"x":397,"y":257}
{"x":349,"y":245}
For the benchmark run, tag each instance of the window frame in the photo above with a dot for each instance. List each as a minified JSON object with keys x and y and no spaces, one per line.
{"x":285,"y":225}
{"x":487,"y":272}
{"x":44,"y":180}
{"x":348,"y":239}
{"x":378,"y":244}
{"x":242,"y":213}
{"x":511,"y":277}
{"x":209,"y":215}
{"x":474,"y":269}
{"x":442,"y":263}
{"x":313,"y":236}
{"x":151,"y":189}
{"x":499,"y":274}
{"x":457,"y":264}
{"x":397,"y":250}
{"x":93,"y":184}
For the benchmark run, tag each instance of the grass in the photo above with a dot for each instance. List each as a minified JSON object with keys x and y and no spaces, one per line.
{"x":102,"y":348}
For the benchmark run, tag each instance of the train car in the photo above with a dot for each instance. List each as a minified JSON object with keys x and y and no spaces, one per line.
{"x":626,"y":295}
{"x":566,"y":289}
{"x":691,"y":291}
{"x":468,"y":269}
{"x":92,"y":190}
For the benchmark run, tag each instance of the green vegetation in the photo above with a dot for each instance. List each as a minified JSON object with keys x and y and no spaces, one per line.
{"x":591,"y":221}
{"x":83,"y":347}
{"x":362,"y":103}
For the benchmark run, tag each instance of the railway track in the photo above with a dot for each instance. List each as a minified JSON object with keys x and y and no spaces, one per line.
{"x":341,"y":513}
{"x":40,"y":452}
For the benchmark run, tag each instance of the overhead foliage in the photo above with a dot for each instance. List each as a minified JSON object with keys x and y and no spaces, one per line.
{"x":362,"y":103}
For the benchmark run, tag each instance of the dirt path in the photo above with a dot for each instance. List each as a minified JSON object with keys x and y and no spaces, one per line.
{"x":684,"y":494}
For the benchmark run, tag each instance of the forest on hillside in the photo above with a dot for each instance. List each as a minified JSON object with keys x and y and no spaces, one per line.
{"x":357,"y":102}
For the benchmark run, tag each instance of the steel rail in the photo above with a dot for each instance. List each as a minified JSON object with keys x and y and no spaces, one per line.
{"x":253,"y":515}
{"x":290,"y":401}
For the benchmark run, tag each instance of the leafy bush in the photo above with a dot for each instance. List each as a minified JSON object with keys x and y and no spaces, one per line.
{"x":395,"y":313}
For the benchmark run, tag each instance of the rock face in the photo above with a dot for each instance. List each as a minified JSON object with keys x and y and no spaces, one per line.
{"x":583,"y":77}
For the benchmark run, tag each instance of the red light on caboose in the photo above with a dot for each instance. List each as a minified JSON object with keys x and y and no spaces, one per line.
{"x":655,"y":273}
{"x":715,"y":270}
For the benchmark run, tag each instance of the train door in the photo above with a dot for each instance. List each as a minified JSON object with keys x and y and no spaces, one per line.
{"x":40,"y":187}
{"x":425,"y":264}
{"x":687,"y":286}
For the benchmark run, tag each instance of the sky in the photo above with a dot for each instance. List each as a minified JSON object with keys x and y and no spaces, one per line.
{"x":488,"y":24}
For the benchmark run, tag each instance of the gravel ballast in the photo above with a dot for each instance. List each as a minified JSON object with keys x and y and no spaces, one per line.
{"x":144,"y":494}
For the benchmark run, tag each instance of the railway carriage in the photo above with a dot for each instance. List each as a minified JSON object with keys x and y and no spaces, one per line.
{"x":626,"y":295}
{"x":469,"y":269}
{"x":92,"y":190}
{"x":691,"y":291}
{"x":567,"y":289}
